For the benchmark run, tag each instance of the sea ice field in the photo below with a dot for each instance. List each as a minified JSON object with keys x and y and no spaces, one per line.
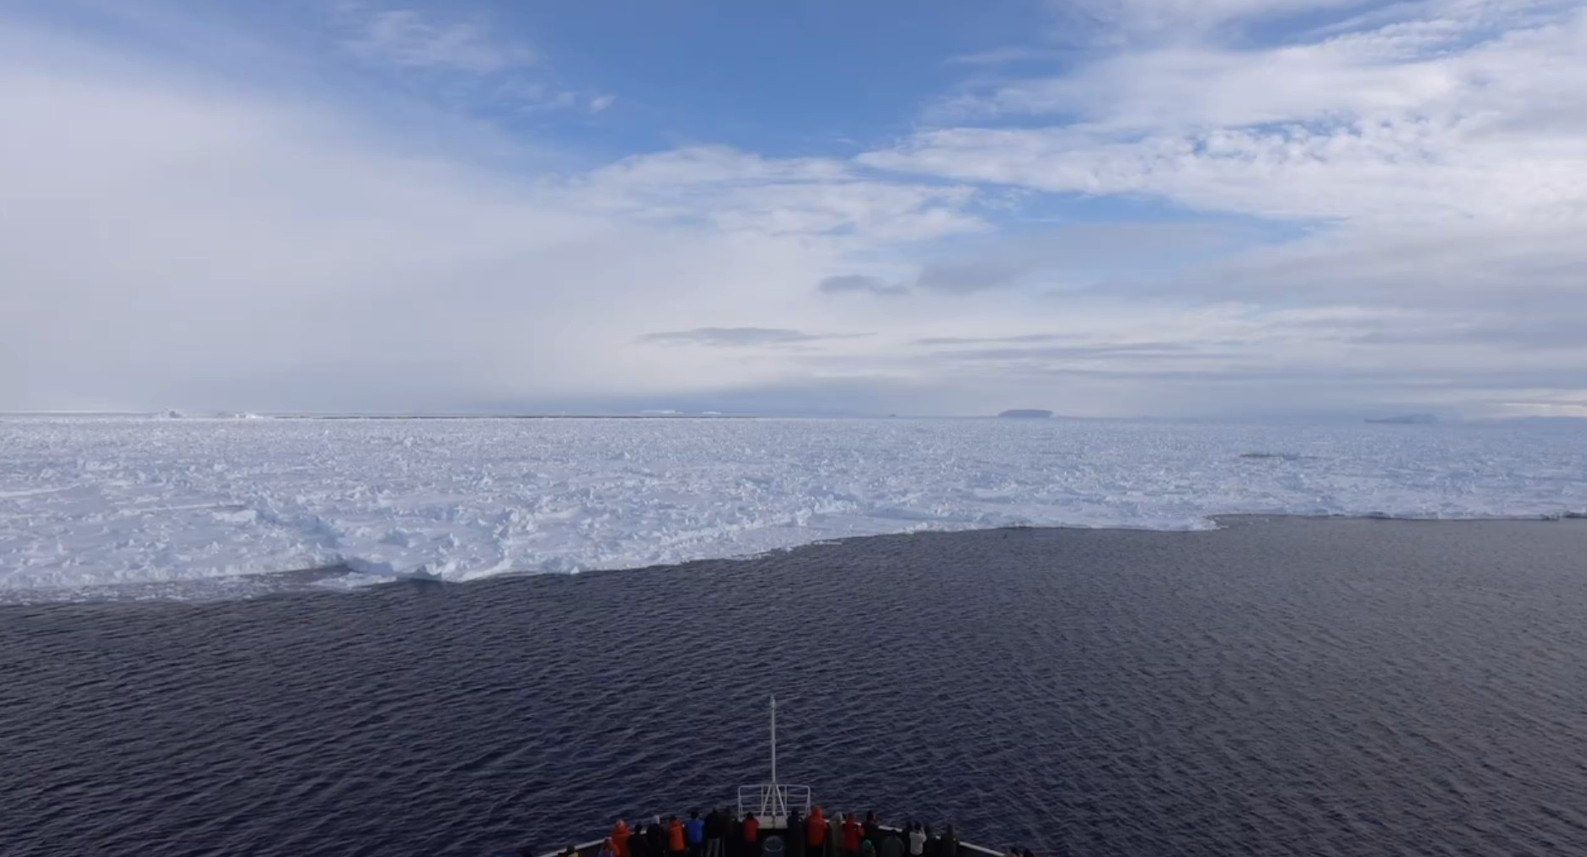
{"x":195,"y":507}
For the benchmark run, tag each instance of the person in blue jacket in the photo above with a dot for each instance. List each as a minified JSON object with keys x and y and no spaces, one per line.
{"x":694,"y":828}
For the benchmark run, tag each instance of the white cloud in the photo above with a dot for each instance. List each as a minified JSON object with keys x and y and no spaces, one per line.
{"x":407,"y":38}
{"x":1160,"y":21}
{"x":1004,"y":55}
{"x":1149,"y":14}
{"x":1407,"y":121}
{"x":736,"y":191}
{"x":170,"y":244}
{"x":167,"y":242}
{"x":1432,"y":150}
{"x":461,"y":60}
{"x":737,"y":337}
{"x":860,"y":284}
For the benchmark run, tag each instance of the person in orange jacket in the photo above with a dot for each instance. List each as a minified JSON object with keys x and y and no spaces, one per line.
{"x":676,"y":844}
{"x":620,"y":838}
{"x":816,"y":833}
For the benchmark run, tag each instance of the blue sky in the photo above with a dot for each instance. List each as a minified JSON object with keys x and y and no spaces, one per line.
{"x":1214,"y":208}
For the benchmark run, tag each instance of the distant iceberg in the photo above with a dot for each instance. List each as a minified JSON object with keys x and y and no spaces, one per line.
{"x":1026,"y":414}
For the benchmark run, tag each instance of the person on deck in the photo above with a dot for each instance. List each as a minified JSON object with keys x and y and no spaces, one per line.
{"x":656,"y":837}
{"x":750,"y":837}
{"x":637,"y":844}
{"x":796,"y":833}
{"x":695,"y":828}
{"x":853,"y":836}
{"x":677,"y":843}
{"x":873,"y":827}
{"x":816,"y":834}
{"x":715,"y":824}
{"x":835,"y":835}
{"x":917,"y":840}
{"x":734,"y":845}
{"x":607,"y":849}
{"x":892,"y":845}
{"x":619,"y":838}
{"x":949,"y":846}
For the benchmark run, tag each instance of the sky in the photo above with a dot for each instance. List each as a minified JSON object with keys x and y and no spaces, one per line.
{"x":1177,"y":208}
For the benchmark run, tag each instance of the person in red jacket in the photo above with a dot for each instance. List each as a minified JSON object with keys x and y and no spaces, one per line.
{"x":853,"y":835}
{"x":620,"y":838}
{"x":751,"y":836}
{"x":816,"y":833}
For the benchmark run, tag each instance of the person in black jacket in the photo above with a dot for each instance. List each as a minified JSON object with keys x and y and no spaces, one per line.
{"x":735,"y":834}
{"x":873,"y":829}
{"x":949,"y":846}
{"x":796,"y":833}
{"x":656,"y":838}
{"x":714,"y":832}
{"x":891,"y":845}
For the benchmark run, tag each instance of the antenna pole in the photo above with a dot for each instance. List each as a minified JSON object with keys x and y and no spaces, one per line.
{"x":774,"y":740}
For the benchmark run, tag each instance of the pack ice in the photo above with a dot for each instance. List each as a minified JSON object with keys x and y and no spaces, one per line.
{"x":176,"y":505}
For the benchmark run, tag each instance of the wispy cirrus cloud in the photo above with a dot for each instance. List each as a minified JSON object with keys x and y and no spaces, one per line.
{"x":849,"y":284}
{"x":738,"y":337}
{"x":1428,"y":156}
{"x":468,"y":60}
{"x":1004,"y":56}
{"x":1083,"y":351}
{"x":739,"y":191}
{"x":990,"y":340}
{"x":1121,"y":21}
{"x":410,"y":39}
{"x":1446,"y":113}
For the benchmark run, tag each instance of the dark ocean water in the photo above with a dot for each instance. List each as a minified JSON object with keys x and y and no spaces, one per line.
{"x":1280,"y":687}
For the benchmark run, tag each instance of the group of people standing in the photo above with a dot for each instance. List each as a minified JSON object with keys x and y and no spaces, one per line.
{"x":847,"y":836}
{"x":720,"y":833}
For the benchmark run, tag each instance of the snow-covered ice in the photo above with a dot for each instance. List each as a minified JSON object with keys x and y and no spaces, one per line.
{"x":188,"y":505}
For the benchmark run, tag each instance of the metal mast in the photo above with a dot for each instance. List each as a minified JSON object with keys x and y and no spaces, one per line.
{"x":773,"y":802}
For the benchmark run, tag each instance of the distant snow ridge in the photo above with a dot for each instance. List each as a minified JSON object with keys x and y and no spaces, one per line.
{"x":87,"y":504}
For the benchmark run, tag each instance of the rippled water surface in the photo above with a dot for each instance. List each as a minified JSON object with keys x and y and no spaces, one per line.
{"x":1279,"y":687}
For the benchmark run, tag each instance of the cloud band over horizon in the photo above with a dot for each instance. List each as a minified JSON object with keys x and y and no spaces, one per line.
{"x":1239,"y":207}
